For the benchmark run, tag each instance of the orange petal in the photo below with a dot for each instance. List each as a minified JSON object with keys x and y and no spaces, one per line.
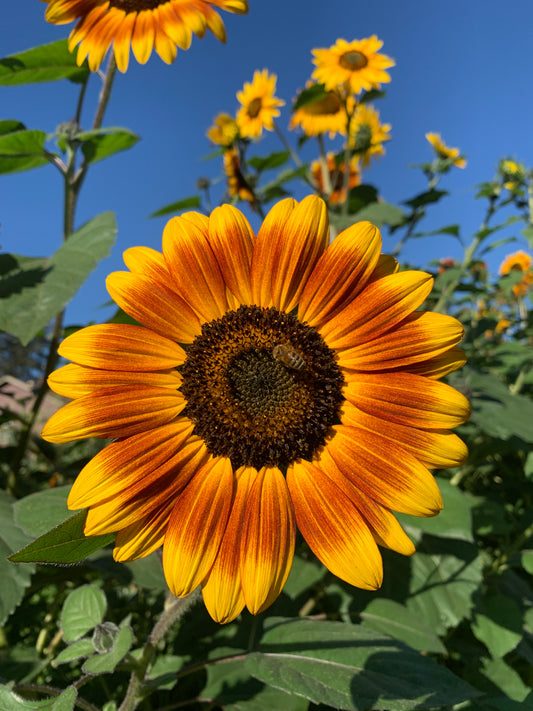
{"x":377,"y":309}
{"x":141,"y":538}
{"x":420,"y":336}
{"x":440,"y":365}
{"x":174,"y":26}
{"x":194,"y":267}
{"x":76,"y":380}
{"x":341,"y":272}
{"x":231,"y":239}
{"x":222,"y":590}
{"x":122,"y":41}
{"x":167,"y":316}
{"x":114,"y":412}
{"x":113,"y":346}
{"x":333,"y":527}
{"x":151,"y":264}
{"x":267,"y":546}
{"x":197,"y":525}
{"x":395,"y":479}
{"x":142,"y":39}
{"x":408,"y":399}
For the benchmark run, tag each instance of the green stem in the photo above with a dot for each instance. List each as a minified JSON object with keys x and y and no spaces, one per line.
{"x":171,"y":614}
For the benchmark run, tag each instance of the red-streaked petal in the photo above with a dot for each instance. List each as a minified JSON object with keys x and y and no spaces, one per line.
{"x":76,"y":380}
{"x":114,"y":412}
{"x":333,"y":527}
{"x":197,"y":525}
{"x":395,"y":479}
{"x":341,"y":272}
{"x":408,"y":399}
{"x":141,"y":538}
{"x":378,"y":308}
{"x":440,"y":365}
{"x":222,"y":589}
{"x":434,"y":448}
{"x":231,"y":239}
{"x":128,"y":467}
{"x":194,"y":267}
{"x":151,"y":264}
{"x":122,"y":41}
{"x":267,"y":546}
{"x":114,"y":346}
{"x":420,"y":336}
{"x":153,"y":308}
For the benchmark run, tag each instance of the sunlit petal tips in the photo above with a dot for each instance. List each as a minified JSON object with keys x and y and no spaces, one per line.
{"x":276,"y":381}
{"x":144,"y":25}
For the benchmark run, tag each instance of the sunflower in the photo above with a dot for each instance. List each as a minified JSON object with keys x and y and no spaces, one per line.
{"x":368,"y":134}
{"x":326,"y":115}
{"x":224,"y":130}
{"x":513,"y":174}
{"x":238,"y":186}
{"x":445,"y":152}
{"x":355,"y":66}
{"x":336,"y":170}
{"x":162,"y":25}
{"x":519,"y":262}
{"x":274,"y":382}
{"x":259,"y":106}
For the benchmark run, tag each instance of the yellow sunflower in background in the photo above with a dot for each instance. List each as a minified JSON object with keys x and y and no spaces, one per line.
{"x":513,"y":174}
{"x":444,"y":151}
{"x":224,"y":130}
{"x":326,"y":115}
{"x":275,"y":382}
{"x":162,"y":25}
{"x":368,"y":134}
{"x":336,"y":170}
{"x":259,"y":106}
{"x":519,"y":262}
{"x":355,"y":65}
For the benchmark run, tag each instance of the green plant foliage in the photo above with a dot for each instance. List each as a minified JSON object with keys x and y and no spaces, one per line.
{"x":104,"y":142}
{"x":83,"y":610}
{"x":22,"y":150}
{"x":48,"y":62}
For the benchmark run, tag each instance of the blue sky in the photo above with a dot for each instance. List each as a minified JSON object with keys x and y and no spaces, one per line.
{"x":462,"y":69}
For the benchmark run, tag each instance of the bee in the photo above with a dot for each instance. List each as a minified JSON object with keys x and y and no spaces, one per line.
{"x":289,"y":356}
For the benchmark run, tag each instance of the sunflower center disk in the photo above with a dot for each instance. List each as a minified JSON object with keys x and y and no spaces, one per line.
{"x":136,"y":5}
{"x":353,"y":60}
{"x":262,"y":388}
{"x":254,"y":107}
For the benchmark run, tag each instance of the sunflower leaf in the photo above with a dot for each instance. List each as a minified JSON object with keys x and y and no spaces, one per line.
{"x":351,"y":667}
{"x":49,"y":62}
{"x":22,"y":150}
{"x":34,"y":290}
{"x":104,"y":142}
{"x":311,"y":95}
{"x":83,"y":609}
{"x":174,"y":207}
{"x":9,"y":701}
{"x":63,"y":545}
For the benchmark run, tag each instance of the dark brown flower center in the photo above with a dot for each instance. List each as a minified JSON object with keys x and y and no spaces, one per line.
{"x":136,"y":5}
{"x":330,"y":104}
{"x":262,"y":388}
{"x":353,"y":60}
{"x":254,"y":107}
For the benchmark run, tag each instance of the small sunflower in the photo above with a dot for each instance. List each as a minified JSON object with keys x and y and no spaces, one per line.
{"x":445,"y":152}
{"x":275,"y":382}
{"x":224,"y":130}
{"x":259,"y":106}
{"x":237,"y":183}
{"x":513,"y":174}
{"x":355,"y":66}
{"x":336,"y":170}
{"x":519,"y":262}
{"x":162,"y":25}
{"x":368,"y":134}
{"x":326,"y":115}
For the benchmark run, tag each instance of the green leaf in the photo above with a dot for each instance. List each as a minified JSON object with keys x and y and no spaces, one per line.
{"x":311,"y":95}
{"x":48,"y":62}
{"x":148,"y":572}
{"x":175,"y":207}
{"x":274,"y":160}
{"x":83,"y":609}
{"x":33,"y":290}
{"x":76,"y":650}
{"x":381,"y":213}
{"x":528,"y":234}
{"x":527,"y":560}
{"x":452,"y":230}
{"x":351,"y":667}
{"x":304,"y":574}
{"x":426,"y":198}
{"x":391,"y":618}
{"x":9,"y":701}
{"x":15,"y":578}
{"x":498,"y":624}
{"x":39,"y":512}
{"x":10,"y":126}
{"x":22,"y":150}
{"x":105,"y":663}
{"x":505,"y":678}
{"x":63,"y":545}
{"x":104,"y":142}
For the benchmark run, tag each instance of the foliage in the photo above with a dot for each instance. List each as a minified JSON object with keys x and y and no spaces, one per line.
{"x":451,"y":628}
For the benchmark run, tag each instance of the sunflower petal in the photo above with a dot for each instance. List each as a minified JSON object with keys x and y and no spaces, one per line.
{"x":231,"y":239}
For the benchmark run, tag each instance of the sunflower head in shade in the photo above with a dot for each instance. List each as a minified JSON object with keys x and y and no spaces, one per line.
{"x":275,"y":382}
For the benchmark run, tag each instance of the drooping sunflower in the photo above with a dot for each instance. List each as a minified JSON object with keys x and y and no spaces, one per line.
{"x":238,"y":186}
{"x":368,"y":134}
{"x":336,"y":170}
{"x":326,"y":115}
{"x":355,"y":66}
{"x":162,"y":25}
{"x":259,"y":106}
{"x":224,"y":130}
{"x":446,"y":152}
{"x":519,"y":262}
{"x":275,"y":382}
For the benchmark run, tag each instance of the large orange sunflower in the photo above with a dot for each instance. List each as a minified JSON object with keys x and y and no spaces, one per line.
{"x":355,"y":65}
{"x":162,"y":25}
{"x":275,"y":382}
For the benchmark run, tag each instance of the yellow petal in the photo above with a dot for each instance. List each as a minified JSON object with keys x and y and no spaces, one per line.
{"x":142,"y":40}
{"x":231,"y":239}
